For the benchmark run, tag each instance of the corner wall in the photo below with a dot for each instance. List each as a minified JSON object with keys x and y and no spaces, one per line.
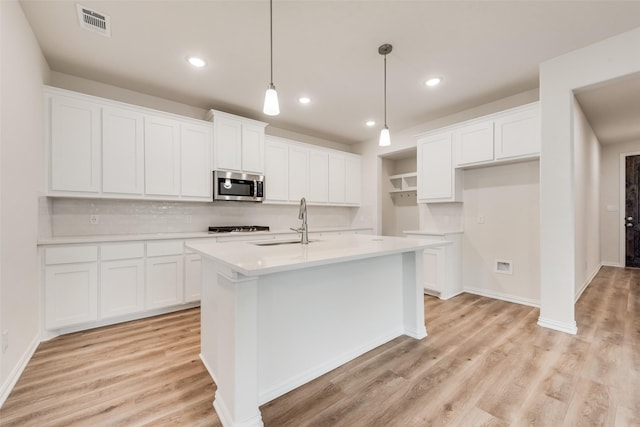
{"x":587,"y":200}
{"x":24,"y":70}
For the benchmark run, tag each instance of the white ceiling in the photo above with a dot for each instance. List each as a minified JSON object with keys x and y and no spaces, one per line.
{"x":328,"y":50}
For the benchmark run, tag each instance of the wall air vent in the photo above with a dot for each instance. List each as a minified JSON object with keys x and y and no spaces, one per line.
{"x":94,"y":21}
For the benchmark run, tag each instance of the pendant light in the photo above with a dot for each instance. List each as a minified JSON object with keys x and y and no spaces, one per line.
{"x":385,"y":138}
{"x":271,"y":106}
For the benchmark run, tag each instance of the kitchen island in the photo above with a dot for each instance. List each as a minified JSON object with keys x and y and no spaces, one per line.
{"x":276,"y":315}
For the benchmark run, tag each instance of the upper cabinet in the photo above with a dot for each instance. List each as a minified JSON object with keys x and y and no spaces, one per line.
{"x":102,"y":148}
{"x":506,"y":136}
{"x":438,"y":181}
{"x":74,"y":145}
{"x":238,"y":143}
{"x":323,"y":176}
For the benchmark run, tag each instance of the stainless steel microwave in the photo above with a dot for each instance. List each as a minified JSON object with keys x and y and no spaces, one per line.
{"x":235,"y":186}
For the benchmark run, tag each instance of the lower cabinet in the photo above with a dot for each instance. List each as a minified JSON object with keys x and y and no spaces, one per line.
{"x":121,"y":287}
{"x":165,"y":281}
{"x":71,"y":294}
{"x":192,"y":277}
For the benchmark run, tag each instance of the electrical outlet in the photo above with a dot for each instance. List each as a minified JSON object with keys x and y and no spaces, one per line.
{"x":5,"y":340}
{"x":188,"y":219}
{"x":480,"y":219}
{"x":94,"y":219}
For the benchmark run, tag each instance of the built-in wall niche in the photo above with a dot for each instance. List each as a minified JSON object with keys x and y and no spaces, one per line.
{"x":404,"y":182}
{"x":399,"y":202}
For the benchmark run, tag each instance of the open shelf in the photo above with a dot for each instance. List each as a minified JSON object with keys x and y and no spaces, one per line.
{"x":404,"y":182}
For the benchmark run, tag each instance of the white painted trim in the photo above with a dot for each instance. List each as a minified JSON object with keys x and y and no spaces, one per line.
{"x":588,"y":281}
{"x":17,"y":371}
{"x":611,"y":264}
{"x":227,"y":420}
{"x":446,"y":297}
{"x":502,"y":296}
{"x":569,"y":328}
{"x":621,"y":206}
{"x":206,"y":365}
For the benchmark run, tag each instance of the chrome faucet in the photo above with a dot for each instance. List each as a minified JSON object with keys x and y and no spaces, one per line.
{"x":302,"y":214}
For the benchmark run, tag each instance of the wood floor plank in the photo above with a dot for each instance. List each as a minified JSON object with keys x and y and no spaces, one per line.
{"x":484,"y":363}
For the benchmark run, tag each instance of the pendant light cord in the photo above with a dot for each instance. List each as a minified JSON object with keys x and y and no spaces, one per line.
{"x":271,"y":37}
{"x":385,"y":90}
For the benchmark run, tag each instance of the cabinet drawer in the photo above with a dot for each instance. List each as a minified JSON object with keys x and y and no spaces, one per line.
{"x":69,"y":254}
{"x":164,"y":248}
{"x":121,"y":251}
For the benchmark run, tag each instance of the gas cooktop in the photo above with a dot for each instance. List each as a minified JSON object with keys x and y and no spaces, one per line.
{"x":241,"y":228}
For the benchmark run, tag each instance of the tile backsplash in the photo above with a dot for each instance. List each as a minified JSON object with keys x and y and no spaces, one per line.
{"x":71,"y":217}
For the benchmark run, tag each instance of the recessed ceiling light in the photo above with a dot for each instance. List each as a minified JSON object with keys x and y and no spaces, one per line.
{"x":196,"y":62}
{"x":434,"y":81}
{"x":304,"y":100}
{"x":370,"y":123}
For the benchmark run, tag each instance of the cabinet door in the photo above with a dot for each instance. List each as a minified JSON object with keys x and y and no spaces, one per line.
{"x":71,"y":294}
{"x":298,"y":172}
{"x":75,"y":145}
{"x":337,"y":175}
{"x":353,"y":181}
{"x":162,"y":156}
{"x":192,"y":277}
{"x":253,"y":149}
{"x":165,"y":281}
{"x":518,"y":134}
{"x":474,"y":143}
{"x":276,"y":162}
{"x":318,"y":176}
{"x":121,"y":287}
{"x":436,"y":178}
{"x":195,"y":161}
{"x":228,"y":144}
{"x":122,"y":151}
{"x":433,"y":266}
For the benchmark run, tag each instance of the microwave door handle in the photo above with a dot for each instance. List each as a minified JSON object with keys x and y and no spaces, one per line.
{"x":255,"y":189}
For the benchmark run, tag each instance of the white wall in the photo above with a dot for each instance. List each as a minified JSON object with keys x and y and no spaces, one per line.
{"x":559,"y":77}
{"x":610,"y":220}
{"x":587,"y":200}
{"x":21,"y":144}
{"x":501,"y":222}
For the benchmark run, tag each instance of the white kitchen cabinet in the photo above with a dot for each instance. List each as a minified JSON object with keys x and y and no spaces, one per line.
{"x":438,"y":181}
{"x":318,"y":176}
{"x":518,"y":133}
{"x":195,"y":161}
{"x":276,"y":171}
{"x":474,"y":143}
{"x":121,"y":279}
{"x":70,"y":285}
{"x":442,"y":268}
{"x":337,"y":176}
{"x":298,"y":172}
{"x":165,"y":281}
{"x":74,"y":145}
{"x":353,"y":180}
{"x":121,"y":287}
{"x":192,"y":277}
{"x":238,"y":143}
{"x":162,"y":156}
{"x":122,"y":151}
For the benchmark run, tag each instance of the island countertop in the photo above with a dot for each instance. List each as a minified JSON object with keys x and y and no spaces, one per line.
{"x":258,"y":258}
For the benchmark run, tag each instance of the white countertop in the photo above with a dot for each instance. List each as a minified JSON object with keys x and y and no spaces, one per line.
{"x":251,"y":259}
{"x":180,"y":235}
{"x":431,"y":232}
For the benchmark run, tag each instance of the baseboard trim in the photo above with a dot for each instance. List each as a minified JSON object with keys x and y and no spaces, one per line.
{"x":502,"y":296}
{"x":611,"y":264}
{"x":587,"y":282}
{"x":569,"y":328}
{"x":17,"y":371}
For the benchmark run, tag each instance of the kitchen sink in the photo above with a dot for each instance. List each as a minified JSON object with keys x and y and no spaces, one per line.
{"x":288,"y":242}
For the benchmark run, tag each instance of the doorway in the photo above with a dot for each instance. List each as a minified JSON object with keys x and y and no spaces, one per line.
{"x":631,"y":219}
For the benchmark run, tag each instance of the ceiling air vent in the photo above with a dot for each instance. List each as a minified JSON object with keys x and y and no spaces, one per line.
{"x":94,"y":21}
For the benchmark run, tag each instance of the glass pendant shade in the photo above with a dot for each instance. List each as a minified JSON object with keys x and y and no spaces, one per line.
{"x":385,"y":138}
{"x":271,"y":106}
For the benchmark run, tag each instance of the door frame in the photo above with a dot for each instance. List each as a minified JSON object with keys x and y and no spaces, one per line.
{"x":623,"y":206}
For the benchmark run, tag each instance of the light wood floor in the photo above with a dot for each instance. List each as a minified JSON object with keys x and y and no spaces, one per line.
{"x":485,"y":362}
